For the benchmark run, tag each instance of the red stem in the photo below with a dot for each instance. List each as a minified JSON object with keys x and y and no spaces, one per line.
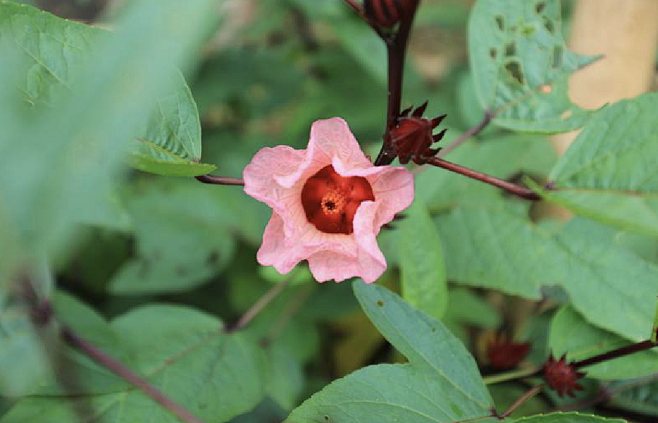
{"x":620,"y":352}
{"x":219,"y":180}
{"x":517,"y":190}
{"x":396,"y":47}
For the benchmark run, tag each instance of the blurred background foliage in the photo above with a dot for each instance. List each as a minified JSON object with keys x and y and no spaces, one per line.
{"x":263,"y":77}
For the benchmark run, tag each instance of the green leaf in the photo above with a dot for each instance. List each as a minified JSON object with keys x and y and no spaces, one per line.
{"x":23,"y":358}
{"x":521,"y":65}
{"x":287,"y":378}
{"x":570,"y":333}
{"x":608,"y":172}
{"x":184,"y":354}
{"x":566,"y":418}
{"x":441,"y":384}
{"x":81,"y":142}
{"x":495,"y":248}
{"x":422,"y":269}
{"x":392,"y":393}
{"x":184,"y":236}
{"x":636,"y":396}
{"x":58,"y":50}
{"x":424,"y":341}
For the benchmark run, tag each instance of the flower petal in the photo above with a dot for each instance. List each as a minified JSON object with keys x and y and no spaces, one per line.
{"x":332,"y":138}
{"x":394,"y":191}
{"x":370,"y":258}
{"x":268,"y":165}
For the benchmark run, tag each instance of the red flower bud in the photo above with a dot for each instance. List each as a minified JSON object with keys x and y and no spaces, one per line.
{"x":411,"y":138}
{"x":387,"y":13}
{"x":562,"y":376}
{"x":505,"y":354}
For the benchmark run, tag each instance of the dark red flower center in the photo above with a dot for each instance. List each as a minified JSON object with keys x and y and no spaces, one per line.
{"x":330,"y":201}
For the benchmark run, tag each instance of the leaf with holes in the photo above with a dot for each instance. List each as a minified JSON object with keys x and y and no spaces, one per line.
{"x":521,"y":65}
{"x":184,"y":354}
{"x":169,"y":143}
{"x":609,"y":172}
{"x":440,"y":384}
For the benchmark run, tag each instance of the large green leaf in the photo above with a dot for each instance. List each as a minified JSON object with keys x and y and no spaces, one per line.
{"x":521,"y":65}
{"x":57,"y":50}
{"x":571,"y":334}
{"x":422,"y":268}
{"x":441,"y":383}
{"x":56,"y":163}
{"x":182,"y":352}
{"x":493,"y":247}
{"x":184,"y":232}
{"x":609,"y":172}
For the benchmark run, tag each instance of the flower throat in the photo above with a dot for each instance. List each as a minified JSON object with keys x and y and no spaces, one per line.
{"x":330,"y":201}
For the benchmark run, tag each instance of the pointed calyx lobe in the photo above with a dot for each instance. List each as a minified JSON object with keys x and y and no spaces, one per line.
{"x":562,"y":376}
{"x":411,"y":138}
{"x":386,"y":13}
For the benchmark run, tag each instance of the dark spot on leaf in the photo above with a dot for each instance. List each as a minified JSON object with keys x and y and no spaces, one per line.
{"x":500,"y":21}
{"x":557,"y":56}
{"x":540,"y":7}
{"x":493,"y":52}
{"x":326,"y":418}
{"x":144,"y":268}
{"x":213,"y":258}
{"x":380,"y":303}
{"x":549,"y":25}
{"x":181,"y":271}
{"x":528,"y":30}
{"x":515,"y":71}
{"x":510,"y":49}
{"x":433,"y":329}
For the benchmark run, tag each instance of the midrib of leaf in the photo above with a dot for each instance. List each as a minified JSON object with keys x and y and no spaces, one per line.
{"x":431,"y":365}
{"x":174,"y":156}
{"x":173,"y":132}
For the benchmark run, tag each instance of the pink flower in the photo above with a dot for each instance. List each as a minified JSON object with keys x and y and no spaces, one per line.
{"x":328,"y":204}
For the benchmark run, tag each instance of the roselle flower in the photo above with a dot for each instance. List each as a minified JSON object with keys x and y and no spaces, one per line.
{"x":328,"y":204}
{"x":504,"y":353}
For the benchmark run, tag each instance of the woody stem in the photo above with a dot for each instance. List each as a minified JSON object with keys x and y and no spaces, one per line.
{"x":219,"y":180}
{"x":510,"y":187}
{"x":620,"y":352}
{"x":396,"y":47}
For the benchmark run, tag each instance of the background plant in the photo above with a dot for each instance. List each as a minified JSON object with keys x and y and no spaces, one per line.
{"x":107,"y":270}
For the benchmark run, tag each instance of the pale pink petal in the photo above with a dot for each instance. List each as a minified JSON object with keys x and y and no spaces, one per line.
{"x":394,"y":191}
{"x":269,"y":164}
{"x":371,"y":261}
{"x":332,"y":139}
{"x":328,"y":265}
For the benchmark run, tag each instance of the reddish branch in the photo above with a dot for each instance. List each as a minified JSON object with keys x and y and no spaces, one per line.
{"x":219,"y":180}
{"x":124,"y":372}
{"x":510,"y":187}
